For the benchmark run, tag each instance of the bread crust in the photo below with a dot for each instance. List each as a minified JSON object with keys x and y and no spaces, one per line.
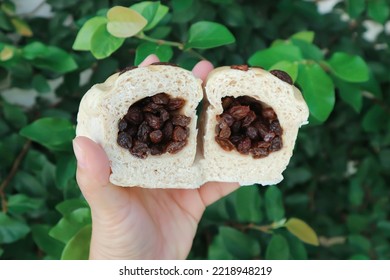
{"x":202,"y":159}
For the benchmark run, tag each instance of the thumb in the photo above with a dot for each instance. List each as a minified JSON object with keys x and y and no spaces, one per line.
{"x":93,"y":172}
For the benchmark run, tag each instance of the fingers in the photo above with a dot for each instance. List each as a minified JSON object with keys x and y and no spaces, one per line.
{"x":202,"y":69}
{"x":93,"y":171}
{"x":152,"y":58}
{"x":213,"y":191}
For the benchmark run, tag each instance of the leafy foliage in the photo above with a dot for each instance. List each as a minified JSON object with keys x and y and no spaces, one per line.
{"x":334,"y":200}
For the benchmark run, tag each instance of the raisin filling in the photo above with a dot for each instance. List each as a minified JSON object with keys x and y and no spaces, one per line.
{"x":154,"y":125}
{"x":249,"y":127}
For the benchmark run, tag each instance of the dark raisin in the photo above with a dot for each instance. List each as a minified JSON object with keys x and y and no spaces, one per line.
{"x":143,"y":132}
{"x":228,"y":119}
{"x":181,"y":120}
{"x":175,"y":104}
{"x":236,"y":127}
{"x":282,"y":76}
{"x":275,"y":127}
{"x":179,"y":134}
{"x":140,"y":150}
{"x":225,"y":132}
{"x":259,"y":152}
{"x":124,"y":140}
{"x":244,"y":146}
{"x":276,"y":144}
{"x":243,"y":67}
{"x":235,"y":139}
{"x":239,"y":112}
{"x":122,"y":125}
{"x":132,"y":130}
{"x":134,"y":115}
{"x":269,"y":113}
{"x":152,"y":107}
{"x":153,"y":121}
{"x":269,"y":136}
{"x":164,"y":115}
{"x":156,"y":136}
{"x":175,"y":147}
{"x":224,"y":143}
{"x":167,"y":131}
{"x":249,"y":119}
{"x":156,"y":150}
{"x":226,"y":102}
{"x":252,"y":132}
{"x":261,"y":128}
{"x":161,"y":98}
{"x":262,"y":144}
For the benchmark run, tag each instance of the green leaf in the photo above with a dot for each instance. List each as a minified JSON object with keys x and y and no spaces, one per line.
{"x":11,"y":229}
{"x":317,"y":89}
{"x":70,"y":224}
{"x":153,"y":12}
{"x":84,"y":36}
{"x":1,"y":252}
{"x":250,"y":197}
{"x":277,"y":248}
{"x":66,"y":169}
{"x":351,"y":68}
{"x":7,"y":53}
{"x":308,"y":50}
{"x":378,"y":10}
{"x":233,"y":244}
{"x":355,"y":7}
{"x":302,"y":231}
{"x":21,"y":27}
{"x":206,"y":34}
{"x":355,"y":192}
{"x":5,"y":22}
{"x":49,"y":57}
{"x":46,"y":243}
{"x":357,"y":223}
{"x":274,"y":204}
{"x":375,"y":119}
{"x":22,"y":204}
{"x":29,"y":185}
{"x":14,"y":115}
{"x":163,"y":52}
{"x":78,"y":247}
{"x":281,"y":52}
{"x":297,"y":249}
{"x":291,"y":68}
{"x":350,"y":94}
{"x":307,"y":36}
{"x":103,"y":44}
{"x":124,"y":22}
{"x":40,"y":84}
{"x":66,"y":207}
{"x":55,"y":134}
{"x":359,"y":257}
{"x":360,"y":243}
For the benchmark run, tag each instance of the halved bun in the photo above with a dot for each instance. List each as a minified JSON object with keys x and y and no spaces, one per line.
{"x":105,"y":104}
{"x":288,"y":104}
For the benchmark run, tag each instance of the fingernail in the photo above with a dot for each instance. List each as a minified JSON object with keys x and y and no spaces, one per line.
{"x":79,"y":153}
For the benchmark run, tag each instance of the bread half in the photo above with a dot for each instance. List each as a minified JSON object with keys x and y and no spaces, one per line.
{"x":288,"y":104}
{"x":105,"y":104}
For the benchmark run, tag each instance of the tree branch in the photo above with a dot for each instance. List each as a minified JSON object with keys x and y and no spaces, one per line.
{"x":12,"y":173}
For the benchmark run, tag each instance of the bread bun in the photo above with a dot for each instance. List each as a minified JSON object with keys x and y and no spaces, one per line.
{"x":202,"y":159}
{"x":289,"y":106}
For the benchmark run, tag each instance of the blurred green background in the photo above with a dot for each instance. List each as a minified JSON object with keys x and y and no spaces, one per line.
{"x":334,"y":200}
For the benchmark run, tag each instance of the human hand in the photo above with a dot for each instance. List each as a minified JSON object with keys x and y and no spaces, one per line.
{"x":139,"y":223}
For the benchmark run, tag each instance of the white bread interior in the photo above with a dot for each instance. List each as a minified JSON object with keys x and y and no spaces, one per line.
{"x":105,"y":104}
{"x":288,"y":104}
